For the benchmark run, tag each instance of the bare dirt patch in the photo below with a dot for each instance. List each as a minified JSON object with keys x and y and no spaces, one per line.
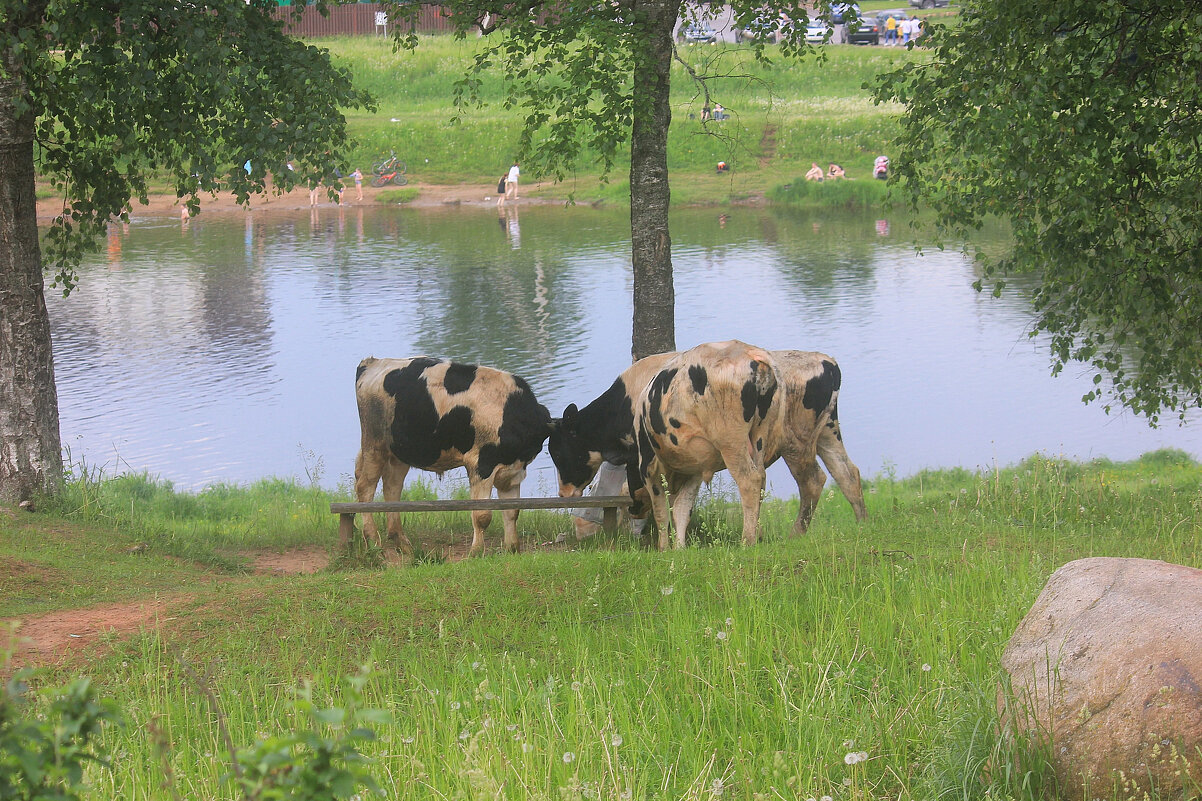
{"x":299,"y":561}
{"x":53,"y":636}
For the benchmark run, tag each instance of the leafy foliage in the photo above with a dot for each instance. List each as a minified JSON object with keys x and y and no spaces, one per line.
{"x":320,"y":758}
{"x":42,"y":756}
{"x":1080,"y":123}
{"x":192,"y":90}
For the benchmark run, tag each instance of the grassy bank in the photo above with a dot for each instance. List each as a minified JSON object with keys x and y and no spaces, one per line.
{"x":784,"y":116}
{"x":599,"y":670}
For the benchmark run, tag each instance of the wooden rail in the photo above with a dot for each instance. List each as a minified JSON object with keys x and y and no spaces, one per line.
{"x":609,"y":504}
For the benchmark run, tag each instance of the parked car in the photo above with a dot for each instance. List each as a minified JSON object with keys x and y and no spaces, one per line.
{"x":928,"y":3}
{"x":817,"y":31}
{"x":872,"y":27}
{"x":839,"y":11}
{"x":697,"y":33}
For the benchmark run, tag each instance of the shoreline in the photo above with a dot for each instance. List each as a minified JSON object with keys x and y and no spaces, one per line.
{"x":428,"y":196}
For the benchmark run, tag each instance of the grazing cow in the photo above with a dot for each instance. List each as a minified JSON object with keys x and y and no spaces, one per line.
{"x":603,"y":431}
{"x":437,"y":415}
{"x":716,"y":406}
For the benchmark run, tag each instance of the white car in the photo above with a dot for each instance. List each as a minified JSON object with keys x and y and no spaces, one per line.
{"x":817,"y":32}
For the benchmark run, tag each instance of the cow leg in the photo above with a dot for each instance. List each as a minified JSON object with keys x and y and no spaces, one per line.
{"x":845,"y":473}
{"x":656,"y":485}
{"x":810,"y":481}
{"x":394,"y":484}
{"x":748,"y":474}
{"x":511,"y":489}
{"x":480,"y":490}
{"x":683,"y":501}
{"x":369,"y":465}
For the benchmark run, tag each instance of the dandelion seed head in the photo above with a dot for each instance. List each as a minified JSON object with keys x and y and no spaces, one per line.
{"x":455,"y":705}
{"x":851,"y":758}
{"x":926,"y":667}
{"x":863,"y":755}
{"x":721,"y":635}
{"x":826,"y":798}
{"x":847,"y":781}
{"x":667,"y":590}
{"x":616,"y":740}
{"x":717,"y":787}
{"x":568,"y":757}
{"x":730,"y":621}
{"x":475,"y":666}
{"x":576,"y":686}
{"x":527,"y":748}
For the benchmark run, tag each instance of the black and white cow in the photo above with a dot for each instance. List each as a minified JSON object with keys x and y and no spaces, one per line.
{"x":716,"y":406}
{"x":438,"y":415}
{"x":603,"y":431}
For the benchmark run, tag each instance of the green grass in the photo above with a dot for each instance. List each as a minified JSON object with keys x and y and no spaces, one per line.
{"x":398,"y":196}
{"x":604,"y":671}
{"x":785,"y":115}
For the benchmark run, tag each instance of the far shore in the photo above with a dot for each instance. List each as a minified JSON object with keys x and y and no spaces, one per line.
{"x":428,"y":196}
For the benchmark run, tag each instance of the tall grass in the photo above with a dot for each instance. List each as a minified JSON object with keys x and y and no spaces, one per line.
{"x":609,"y":672}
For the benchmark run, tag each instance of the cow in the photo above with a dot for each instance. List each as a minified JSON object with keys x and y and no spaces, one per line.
{"x":603,"y":431}
{"x":438,"y":415}
{"x":718,"y":405}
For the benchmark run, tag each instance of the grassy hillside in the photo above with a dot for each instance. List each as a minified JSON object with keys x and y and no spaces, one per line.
{"x":599,"y":670}
{"x":784,"y":117}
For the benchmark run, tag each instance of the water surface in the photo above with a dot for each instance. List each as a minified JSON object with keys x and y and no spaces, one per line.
{"x":225,"y":350}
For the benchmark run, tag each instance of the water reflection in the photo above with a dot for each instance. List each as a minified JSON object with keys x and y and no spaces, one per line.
{"x":225,"y":349}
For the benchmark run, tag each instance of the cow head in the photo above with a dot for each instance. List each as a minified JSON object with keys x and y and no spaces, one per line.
{"x":576,"y":464}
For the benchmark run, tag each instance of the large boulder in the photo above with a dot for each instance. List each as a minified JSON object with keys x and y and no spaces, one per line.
{"x":1105,"y":670}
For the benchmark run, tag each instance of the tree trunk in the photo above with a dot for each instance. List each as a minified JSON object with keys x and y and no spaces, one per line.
{"x":30,"y":448}
{"x":651,"y":245}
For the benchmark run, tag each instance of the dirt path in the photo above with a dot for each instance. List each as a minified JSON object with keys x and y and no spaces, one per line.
{"x":54,"y":636}
{"x":429,"y":195}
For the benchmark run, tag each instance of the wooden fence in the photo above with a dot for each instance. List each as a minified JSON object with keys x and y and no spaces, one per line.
{"x":356,"y":19}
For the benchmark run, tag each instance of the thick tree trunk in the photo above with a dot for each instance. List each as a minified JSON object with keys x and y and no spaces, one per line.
{"x":651,"y":246}
{"x":30,"y":449}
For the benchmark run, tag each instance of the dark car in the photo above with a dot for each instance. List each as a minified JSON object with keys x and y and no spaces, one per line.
{"x":928,"y":3}
{"x":697,"y":32}
{"x":872,"y":27}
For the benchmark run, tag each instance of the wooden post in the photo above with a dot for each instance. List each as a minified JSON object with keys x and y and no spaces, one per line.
{"x":346,"y":529}
{"x":609,"y":519}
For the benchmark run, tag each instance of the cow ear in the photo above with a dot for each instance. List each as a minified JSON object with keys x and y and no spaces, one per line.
{"x":570,"y":412}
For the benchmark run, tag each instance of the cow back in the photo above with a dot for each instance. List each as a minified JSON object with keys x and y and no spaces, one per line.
{"x":709,"y":399}
{"x":437,"y":415}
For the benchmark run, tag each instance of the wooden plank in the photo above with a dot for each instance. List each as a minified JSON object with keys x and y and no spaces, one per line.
{"x":494,"y":504}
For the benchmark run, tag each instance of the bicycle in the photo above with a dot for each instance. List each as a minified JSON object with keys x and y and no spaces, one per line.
{"x":390,"y":170}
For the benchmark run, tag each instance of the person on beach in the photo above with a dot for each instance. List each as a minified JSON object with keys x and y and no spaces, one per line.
{"x":511,"y":182}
